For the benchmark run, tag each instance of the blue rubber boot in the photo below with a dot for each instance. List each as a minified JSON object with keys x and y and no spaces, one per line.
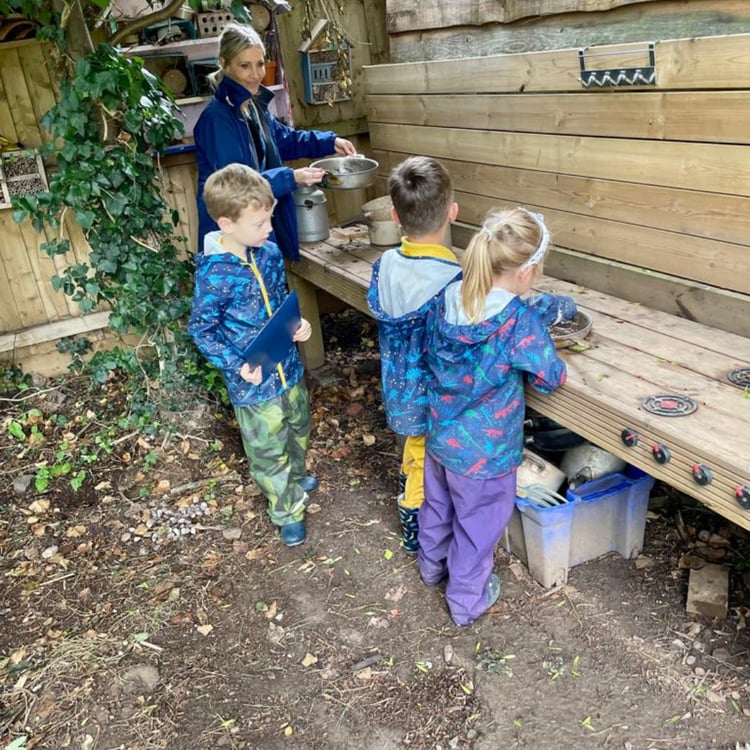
{"x":293,"y":533}
{"x":309,"y":484}
{"x":409,"y":527}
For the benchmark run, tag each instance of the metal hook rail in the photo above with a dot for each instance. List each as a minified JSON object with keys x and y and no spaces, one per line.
{"x":644,"y":75}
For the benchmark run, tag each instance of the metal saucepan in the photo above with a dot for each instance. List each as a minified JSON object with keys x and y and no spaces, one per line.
{"x":347,"y":172}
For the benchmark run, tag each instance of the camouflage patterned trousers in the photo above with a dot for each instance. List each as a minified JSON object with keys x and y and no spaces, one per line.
{"x":274,"y":435}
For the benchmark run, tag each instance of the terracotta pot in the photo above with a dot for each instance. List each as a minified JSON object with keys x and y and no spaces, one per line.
{"x":269,"y":79}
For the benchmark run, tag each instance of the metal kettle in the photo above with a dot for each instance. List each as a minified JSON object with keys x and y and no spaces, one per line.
{"x":312,"y":214}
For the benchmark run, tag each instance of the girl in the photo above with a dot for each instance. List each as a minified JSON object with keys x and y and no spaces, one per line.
{"x":483,"y":344}
{"x":237,"y":126}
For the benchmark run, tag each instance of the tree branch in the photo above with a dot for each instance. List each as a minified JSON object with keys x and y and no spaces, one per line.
{"x":140,"y":23}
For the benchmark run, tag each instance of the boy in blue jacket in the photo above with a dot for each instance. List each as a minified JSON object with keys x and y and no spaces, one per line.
{"x":239,"y":282}
{"x":405,"y":281}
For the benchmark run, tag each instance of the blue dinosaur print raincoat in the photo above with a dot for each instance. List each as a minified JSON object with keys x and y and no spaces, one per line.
{"x":405,"y":282}
{"x":476,"y":394}
{"x":229,"y":310}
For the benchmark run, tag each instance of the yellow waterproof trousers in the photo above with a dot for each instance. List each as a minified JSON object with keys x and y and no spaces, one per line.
{"x":412,"y":466}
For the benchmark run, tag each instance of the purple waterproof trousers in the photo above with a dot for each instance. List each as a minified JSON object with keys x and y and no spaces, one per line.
{"x":460,"y":523}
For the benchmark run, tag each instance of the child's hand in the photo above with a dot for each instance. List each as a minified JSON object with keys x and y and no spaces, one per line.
{"x":254,"y":376}
{"x":303,"y":332}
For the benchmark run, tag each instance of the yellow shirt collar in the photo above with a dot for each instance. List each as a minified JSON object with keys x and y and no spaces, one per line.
{"x":426,"y":250}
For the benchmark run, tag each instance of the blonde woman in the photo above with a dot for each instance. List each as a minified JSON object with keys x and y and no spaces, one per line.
{"x":237,"y":126}
{"x":483,"y":344}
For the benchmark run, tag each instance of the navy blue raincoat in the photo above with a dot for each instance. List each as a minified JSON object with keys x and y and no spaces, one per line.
{"x":223,"y":136}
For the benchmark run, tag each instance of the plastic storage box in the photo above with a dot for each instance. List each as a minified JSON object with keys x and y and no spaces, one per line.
{"x":604,"y":515}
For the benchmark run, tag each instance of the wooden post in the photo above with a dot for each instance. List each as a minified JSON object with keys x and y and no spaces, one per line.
{"x":313,"y":353}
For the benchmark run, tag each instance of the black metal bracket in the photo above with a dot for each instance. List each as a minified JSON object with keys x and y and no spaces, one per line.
{"x":643,"y":75}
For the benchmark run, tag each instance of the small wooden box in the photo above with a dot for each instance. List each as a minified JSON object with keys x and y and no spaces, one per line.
{"x":21,"y":173}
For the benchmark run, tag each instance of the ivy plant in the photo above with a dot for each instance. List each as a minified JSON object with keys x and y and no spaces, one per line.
{"x":112,"y":121}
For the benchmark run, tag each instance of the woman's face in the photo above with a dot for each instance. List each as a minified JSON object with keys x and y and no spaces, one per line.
{"x":247,"y":68}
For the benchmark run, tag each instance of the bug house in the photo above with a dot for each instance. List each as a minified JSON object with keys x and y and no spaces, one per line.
{"x":326,"y":65}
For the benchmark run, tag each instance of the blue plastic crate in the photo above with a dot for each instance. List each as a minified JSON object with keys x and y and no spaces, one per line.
{"x":601,"y":516}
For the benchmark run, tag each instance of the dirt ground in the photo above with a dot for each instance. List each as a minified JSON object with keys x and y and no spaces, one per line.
{"x":155,"y":608}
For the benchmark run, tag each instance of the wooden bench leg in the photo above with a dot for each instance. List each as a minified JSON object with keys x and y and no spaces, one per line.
{"x":312,"y":350}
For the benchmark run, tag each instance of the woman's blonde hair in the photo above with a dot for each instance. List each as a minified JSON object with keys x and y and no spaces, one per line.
{"x":507,"y":240}
{"x":234,"y":39}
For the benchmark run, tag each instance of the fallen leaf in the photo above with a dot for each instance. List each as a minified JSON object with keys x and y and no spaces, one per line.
{"x":39,"y":506}
{"x":232,"y":534}
{"x":271,"y":611}
{"x":73,"y":532}
{"x":204,"y":629}
{"x":163,"y":486}
{"x":309,"y":660}
{"x":368,"y":439}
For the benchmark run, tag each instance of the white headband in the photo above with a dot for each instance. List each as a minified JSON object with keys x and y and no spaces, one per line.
{"x":539,"y":253}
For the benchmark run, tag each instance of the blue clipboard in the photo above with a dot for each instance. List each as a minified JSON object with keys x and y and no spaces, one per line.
{"x":274,"y":340}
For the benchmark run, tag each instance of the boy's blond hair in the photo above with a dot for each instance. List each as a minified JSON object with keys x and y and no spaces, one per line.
{"x":231,"y":189}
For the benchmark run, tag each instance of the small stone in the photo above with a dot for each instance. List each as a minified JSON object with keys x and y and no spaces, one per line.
{"x":126,"y":537}
{"x":22,"y":484}
{"x":448,"y":653}
{"x":49,"y":552}
{"x":690,"y":660}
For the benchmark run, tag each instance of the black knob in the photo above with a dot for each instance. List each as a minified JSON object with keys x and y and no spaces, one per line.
{"x":743,"y":496}
{"x":702,"y":474}
{"x":629,"y":437}
{"x":661,"y":453}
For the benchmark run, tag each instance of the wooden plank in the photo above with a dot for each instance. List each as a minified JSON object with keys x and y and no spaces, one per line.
{"x":180,"y":195}
{"x":719,"y":264}
{"x":19,"y":100}
{"x":416,"y":15}
{"x":22,"y":290}
{"x":722,"y":344}
{"x":7,"y":126}
{"x":43,"y":268}
{"x":713,"y":215}
{"x":39,"y":85}
{"x":695,"y":18}
{"x":710,"y":167}
{"x":721,"y":309}
{"x":681,"y":64}
{"x":53,"y":331}
{"x":636,"y":114}
{"x":313,"y":351}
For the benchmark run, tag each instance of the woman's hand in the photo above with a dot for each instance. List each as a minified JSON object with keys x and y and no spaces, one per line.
{"x":254,"y":376}
{"x":308,"y":175}
{"x":344,"y":147}
{"x":303,"y":332}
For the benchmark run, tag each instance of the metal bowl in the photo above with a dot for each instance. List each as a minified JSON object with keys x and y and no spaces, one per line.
{"x":347,"y":172}
{"x":570,"y":332}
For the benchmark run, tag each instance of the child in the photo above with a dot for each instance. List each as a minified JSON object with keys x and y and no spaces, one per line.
{"x":239,"y":282}
{"x":404,"y":283}
{"x":483,"y":344}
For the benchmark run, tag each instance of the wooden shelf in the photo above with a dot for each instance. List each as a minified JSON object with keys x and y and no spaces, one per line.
{"x":194,"y":49}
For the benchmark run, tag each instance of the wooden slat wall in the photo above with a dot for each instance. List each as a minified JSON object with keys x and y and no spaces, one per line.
{"x":32,"y":314}
{"x":653,"y":179}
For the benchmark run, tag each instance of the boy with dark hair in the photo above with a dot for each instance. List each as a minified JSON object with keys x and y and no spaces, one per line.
{"x":239,"y":282}
{"x":405,"y":281}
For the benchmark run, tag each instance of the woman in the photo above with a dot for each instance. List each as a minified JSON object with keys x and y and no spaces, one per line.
{"x":236,"y":126}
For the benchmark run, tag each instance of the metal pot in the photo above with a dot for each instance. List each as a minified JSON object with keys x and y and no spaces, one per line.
{"x":382,"y":229}
{"x":347,"y":172}
{"x":534,"y":470}
{"x":312,"y":214}
{"x":587,"y":461}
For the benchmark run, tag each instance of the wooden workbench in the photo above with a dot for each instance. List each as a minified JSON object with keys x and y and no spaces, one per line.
{"x":634,"y":352}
